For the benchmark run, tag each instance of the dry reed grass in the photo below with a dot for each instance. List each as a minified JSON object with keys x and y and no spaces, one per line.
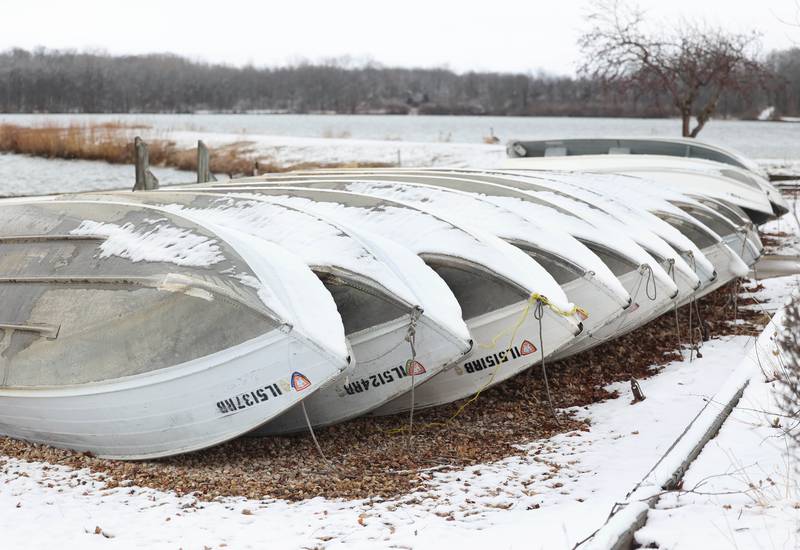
{"x":113,"y":143}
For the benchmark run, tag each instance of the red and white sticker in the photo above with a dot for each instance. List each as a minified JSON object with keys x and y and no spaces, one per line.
{"x":413,"y":368}
{"x":300,"y":382}
{"x":526,"y":348}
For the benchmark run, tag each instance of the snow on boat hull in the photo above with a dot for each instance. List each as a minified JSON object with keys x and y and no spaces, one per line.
{"x":377,"y":322}
{"x":471,"y":264}
{"x":728,"y":264}
{"x":127,"y":332}
{"x":710,"y":180}
{"x":690,"y":151}
{"x":596,"y":293}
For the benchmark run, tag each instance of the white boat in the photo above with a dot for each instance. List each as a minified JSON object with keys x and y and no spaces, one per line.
{"x":596,"y":197}
{"x":715,"y":239}
{"x":677,"y":226}
{"x":497,"y":286}
{"x":651,"y":288}
{"x":678,"y":231}
{"x":688,"y":149}
{"x":380,"y":289}
{"x":130,"y":332}
{"x":688,"y":175}
{"x":585,"y":279}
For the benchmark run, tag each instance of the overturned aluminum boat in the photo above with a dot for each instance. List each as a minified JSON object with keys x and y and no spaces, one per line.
{"x":585,"y":279}
{"x":498,"y":287}
{"x":662,"y":228}
{"x":688,"y":149}
{"x":712,"y":179}
{"x":382,"y":291}
{"x":700,"y":250}
{"x":714,"y":239}
{"x":131,"y":332}
{"x":652,"y":289}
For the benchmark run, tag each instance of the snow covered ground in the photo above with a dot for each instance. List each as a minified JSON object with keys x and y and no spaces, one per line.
{"x":24,"y":175}
{"x":744,"y":489}
{"x":287,"y":150}
{"x":554,"y":495}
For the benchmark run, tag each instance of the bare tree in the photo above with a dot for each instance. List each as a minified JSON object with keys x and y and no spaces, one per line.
{"x":693,"y":63}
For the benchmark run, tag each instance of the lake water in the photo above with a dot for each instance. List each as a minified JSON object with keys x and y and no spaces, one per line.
{"x":21,"y":175}
{"x":776,"y":140}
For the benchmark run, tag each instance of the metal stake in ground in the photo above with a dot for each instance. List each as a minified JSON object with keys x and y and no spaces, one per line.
{"x":538,"y":314}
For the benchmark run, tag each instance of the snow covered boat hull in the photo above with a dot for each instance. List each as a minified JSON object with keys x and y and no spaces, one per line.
{"x":710,"y":179}
{"x":380,"y":346}
{"x":128,"y":332}
{"x":590,"y":285}
{"x":728,"y":264}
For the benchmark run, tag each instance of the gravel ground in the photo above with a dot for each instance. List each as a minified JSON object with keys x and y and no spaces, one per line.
{"x":372,"y":457}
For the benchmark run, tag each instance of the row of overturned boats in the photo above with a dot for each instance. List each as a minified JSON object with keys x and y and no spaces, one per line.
{"x":151,"y":323}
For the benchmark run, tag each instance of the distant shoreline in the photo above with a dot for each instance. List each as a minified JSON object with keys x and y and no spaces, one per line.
{"x":374,"y":114}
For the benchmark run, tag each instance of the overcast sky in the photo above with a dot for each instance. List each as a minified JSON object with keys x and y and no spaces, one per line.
{"x":518,"y":35}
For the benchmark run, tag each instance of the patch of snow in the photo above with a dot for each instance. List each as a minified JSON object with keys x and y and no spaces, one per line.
{"x":477,"y":210}
{"x":425,"y":233}
{"x":287,"y":150}
{"x":743,"y":490}
{"x":323,"y":243}
{"x":162,"y":243}
{"x":625,"y":197}
{"x":290,"y":288}
{"x":767,"y":113}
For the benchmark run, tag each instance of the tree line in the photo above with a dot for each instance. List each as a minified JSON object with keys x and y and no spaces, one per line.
{"x":52,"y":81}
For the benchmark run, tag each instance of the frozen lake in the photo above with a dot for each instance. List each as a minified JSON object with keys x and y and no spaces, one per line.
{"x":776,"y":140}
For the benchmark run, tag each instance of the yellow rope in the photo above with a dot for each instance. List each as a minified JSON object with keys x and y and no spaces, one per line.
{"x":533,"y":299}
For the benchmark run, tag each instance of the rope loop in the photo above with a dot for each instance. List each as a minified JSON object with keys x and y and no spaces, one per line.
{"x":650,"y":288}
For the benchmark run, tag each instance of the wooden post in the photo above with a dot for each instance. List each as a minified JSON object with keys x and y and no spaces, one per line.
{"x":203,"y":172}
{"x":141,"y":160}
{"x":145,"y":180}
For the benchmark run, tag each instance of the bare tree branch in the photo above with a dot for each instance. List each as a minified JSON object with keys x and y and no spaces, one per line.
{"x":694,"y":63}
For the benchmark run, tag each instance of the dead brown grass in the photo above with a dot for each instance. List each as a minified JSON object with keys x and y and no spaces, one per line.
{"x":369,"y":457}
{"x":112,"y":142}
